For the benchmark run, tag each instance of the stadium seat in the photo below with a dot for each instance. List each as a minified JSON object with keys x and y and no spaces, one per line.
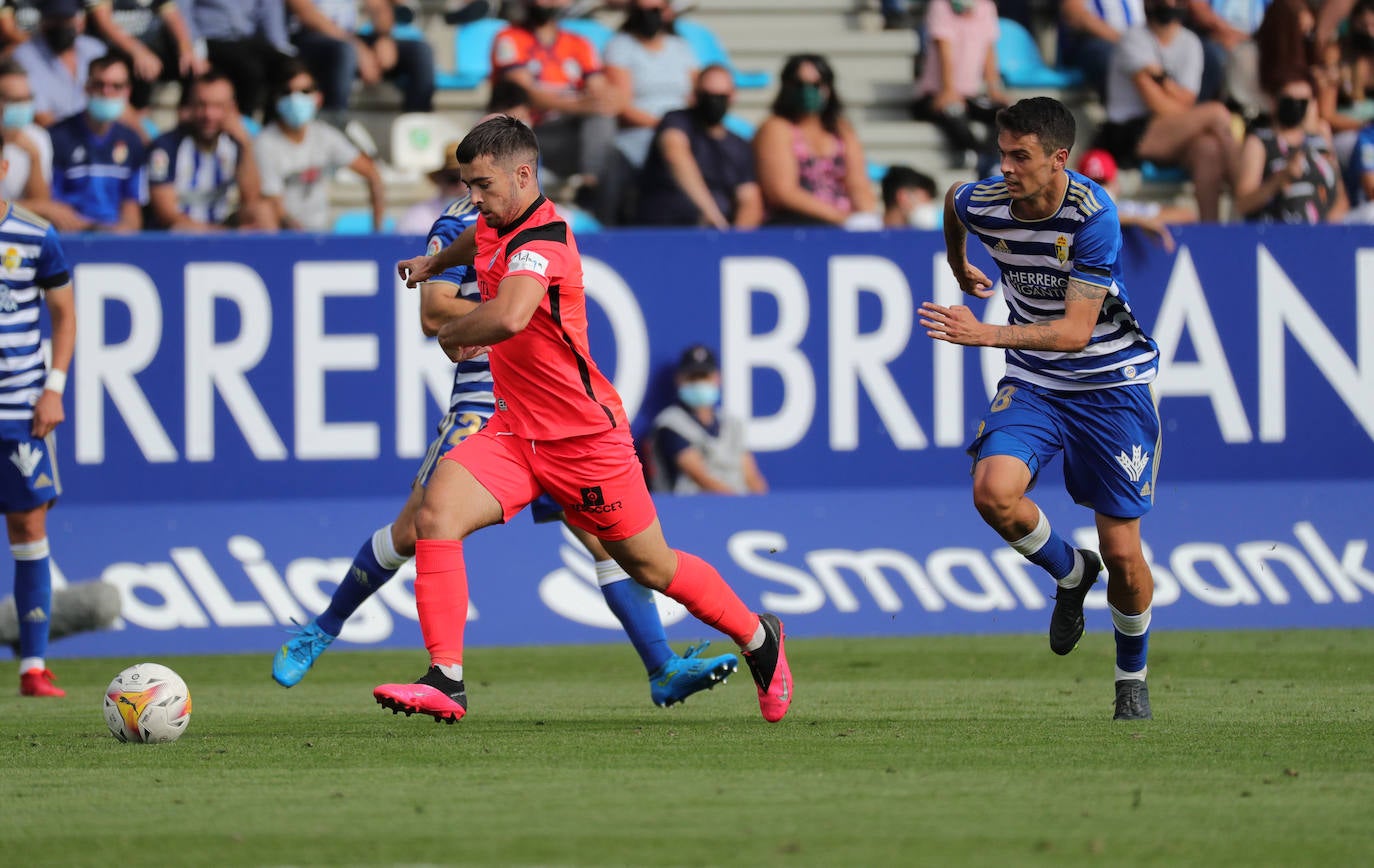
{"x":1151,"y":173}
{"x":1019,"y":61}
{"x":589,"y":29}
{"x":399,"y":31}
{"x":472,"y":55}
{"x":706,"y":46}
{"x":358,"y":221}
{"x":739,"y":126}
{"x":417,"y":140}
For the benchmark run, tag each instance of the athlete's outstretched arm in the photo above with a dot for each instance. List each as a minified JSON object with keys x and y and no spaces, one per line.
{"x":504,"y":316}
{"x":418,"y":269}
{"x":1068,"y":334}
{"x":972,"y":280}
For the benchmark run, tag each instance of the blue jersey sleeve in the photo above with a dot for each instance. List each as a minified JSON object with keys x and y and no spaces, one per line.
{"x":961,"y":197}
{"x":456,"y":218}
{"x":1097,"y":248}
{"x":51,"y":269}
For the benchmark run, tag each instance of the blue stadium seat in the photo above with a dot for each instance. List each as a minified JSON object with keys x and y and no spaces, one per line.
{"x":1151,"y":173}
{"x":400,"y":31}
{"x":472,"y":55}
{"x":739,"y":126}
{"x":706,"y":46}
{"x":358,"y":221}
{"x":589,"y":29}
{"x":1019,"y":61}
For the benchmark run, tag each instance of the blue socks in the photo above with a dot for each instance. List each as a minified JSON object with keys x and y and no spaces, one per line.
{"x":1132,"y":642}
{"x":32,"y":601}
{"x":376,"y":562}
{"x":633,"y":605}
{"x":1052,"y":553}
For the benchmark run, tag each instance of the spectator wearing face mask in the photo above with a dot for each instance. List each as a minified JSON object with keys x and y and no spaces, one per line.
{"x":27,"y":147}
{"x":810,"y":163}
{"x":1345,"y":79}
{"x":98,"y":162}
{"x":695,"y":449}
{"x":909,"y":199}
{"x":298,"y":156}
{"x":57,"y":58}
{"x":697,"y":172}
{"x":1288,"y":170}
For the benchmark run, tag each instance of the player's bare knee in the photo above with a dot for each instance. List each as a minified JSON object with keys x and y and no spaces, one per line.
{"x":995,"y":503}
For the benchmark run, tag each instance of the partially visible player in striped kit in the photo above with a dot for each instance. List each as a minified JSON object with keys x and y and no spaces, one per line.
{"x":453,"y":293}
{"x":1079,"y":368}
{"x":33,"y":272}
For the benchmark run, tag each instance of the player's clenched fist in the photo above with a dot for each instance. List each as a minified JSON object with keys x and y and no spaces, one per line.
{"x":416,"y":270}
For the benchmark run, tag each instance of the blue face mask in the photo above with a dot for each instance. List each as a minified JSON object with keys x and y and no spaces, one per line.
{"x":296,"y":109}
{"x":697,"y":395}
{"x":105,"y":109}
{"x":17,"y":115}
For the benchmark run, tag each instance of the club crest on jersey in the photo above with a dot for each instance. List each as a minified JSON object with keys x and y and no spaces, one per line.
{"x":1061,"y":249}
{"x":12,"y":260}
{"x":119,"y":153}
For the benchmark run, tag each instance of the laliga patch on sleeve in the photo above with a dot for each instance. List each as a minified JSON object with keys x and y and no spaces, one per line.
{"x":435,"y":245}
{"x":528,"y":260}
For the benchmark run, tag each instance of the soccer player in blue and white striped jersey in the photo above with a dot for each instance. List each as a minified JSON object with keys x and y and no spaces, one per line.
{"x":1079,"y":368}
{"x":453,"y":293}
{"x":33,"y":274}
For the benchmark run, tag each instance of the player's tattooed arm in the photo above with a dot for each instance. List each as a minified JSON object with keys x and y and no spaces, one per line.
{"x":1069,"y":334}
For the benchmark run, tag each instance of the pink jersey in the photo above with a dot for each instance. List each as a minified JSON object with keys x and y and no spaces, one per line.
{"x":547,"y":386}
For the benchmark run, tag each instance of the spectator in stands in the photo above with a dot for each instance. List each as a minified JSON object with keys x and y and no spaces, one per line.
{"x":651,"y":72}
{"x":1288,"y":169}
{"x":698,"y":173}
{"x":696,"y":449}
{"x":246,"y":40}
{"x":1286,"y":46}
{"x":448,"y":185}
{"x":896,"y":15}
{"x":298,"y":156}
{"x":1345,"y":79}
{"x":809,"y":160}
{"x":909,"y":199}
{"x":1225,"y":27}
{"x":573,"y":104}
{"x":98,"y":162}
{"x":202,"y":176}
{"x":57,"y":59}
{"x":959,"y":79}
{"x":329,"y":42}
{"x":27,"y":148}
{"x":1089,"y":30}
{"x":154,"y":36}
{"x":1152,"y":108}
{"x":1152,"y":217}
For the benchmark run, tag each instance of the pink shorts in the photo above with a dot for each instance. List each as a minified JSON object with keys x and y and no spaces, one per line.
{"x":596,"y":478}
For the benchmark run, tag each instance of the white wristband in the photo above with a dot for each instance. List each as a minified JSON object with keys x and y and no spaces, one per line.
{"x":57,"y":381}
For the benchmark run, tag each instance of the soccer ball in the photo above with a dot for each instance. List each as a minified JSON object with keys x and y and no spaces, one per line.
{"x":147,"y":703}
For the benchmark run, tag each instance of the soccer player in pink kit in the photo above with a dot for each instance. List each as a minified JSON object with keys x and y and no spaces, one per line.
{"x":559,"y":428}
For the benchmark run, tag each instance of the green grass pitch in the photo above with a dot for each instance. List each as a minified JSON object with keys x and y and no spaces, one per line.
{"x":927,"y":751}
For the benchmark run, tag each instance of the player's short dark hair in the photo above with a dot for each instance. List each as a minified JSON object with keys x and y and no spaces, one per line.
{"x":1043,"y":116}
{"x":502,"y":138}
{"x":901,"y":177}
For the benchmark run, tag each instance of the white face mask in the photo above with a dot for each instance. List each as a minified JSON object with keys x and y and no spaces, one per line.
{"x":925,"y":216}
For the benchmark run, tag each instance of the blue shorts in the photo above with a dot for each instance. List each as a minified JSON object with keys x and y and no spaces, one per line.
{"x":458,"y":426}
{"x":1110,"y":439}
{"x":28,"y":473}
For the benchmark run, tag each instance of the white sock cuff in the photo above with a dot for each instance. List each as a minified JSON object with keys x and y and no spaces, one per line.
{"x":1036,"y":539}
{"x":608,"y":572}
{"x":1130,"y":625}
{"x":385,"y":551}
{"x":28,"y":663}
{"x":1123,"y":675}
{"x":30,"y":551}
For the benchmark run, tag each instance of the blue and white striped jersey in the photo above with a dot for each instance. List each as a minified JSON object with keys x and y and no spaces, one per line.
{"x":1080,"y":241}
{"x":31,"y":262}
{"x":206,"y":182}
{"x":472,"y":389}
{"x":1120,"y":14}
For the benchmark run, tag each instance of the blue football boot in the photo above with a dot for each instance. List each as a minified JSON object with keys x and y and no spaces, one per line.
{"x":682,"y":676}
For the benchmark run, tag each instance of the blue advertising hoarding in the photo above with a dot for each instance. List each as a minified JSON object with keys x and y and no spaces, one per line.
{"x":265,"y":402}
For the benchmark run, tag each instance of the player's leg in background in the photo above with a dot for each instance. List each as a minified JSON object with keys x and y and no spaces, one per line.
{"x":28,"y":537}
{"x":671,"y":678}
{"x":700,"y":588}
{"x":381,"y":555}
{"x":1130,"y":591}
